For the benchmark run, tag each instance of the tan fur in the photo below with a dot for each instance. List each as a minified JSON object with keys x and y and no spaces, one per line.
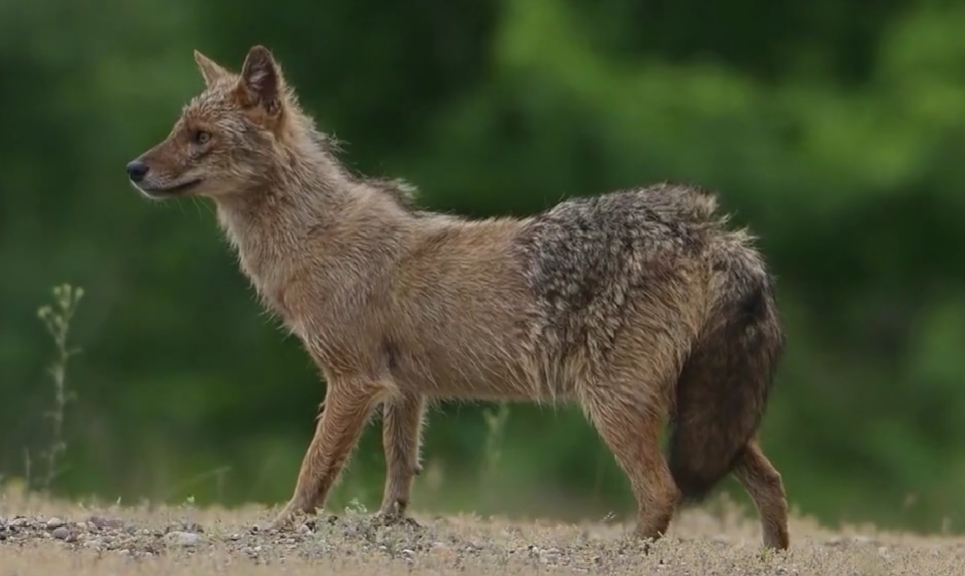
{"x":638,"y":305}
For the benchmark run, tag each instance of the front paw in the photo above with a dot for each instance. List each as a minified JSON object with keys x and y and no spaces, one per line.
{"x":285,"y":520}
{"x":395,"y":516}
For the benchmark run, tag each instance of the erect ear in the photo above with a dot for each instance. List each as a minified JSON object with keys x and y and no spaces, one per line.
{"x":211,"y":70}
{"x":261,"y":81}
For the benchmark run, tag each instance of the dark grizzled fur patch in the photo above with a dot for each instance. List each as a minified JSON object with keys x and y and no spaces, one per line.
{"x":587,"y":256}
{"x":590,"y":259}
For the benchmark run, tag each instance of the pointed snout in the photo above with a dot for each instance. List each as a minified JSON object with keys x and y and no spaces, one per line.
{"x":137,"y":170}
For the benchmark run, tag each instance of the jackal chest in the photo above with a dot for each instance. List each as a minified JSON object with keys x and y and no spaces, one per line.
{"x":291,"y":306}
{"x":321,"y":319}
{"x":281,"y":294}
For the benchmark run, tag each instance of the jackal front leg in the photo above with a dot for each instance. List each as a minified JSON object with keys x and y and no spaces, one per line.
{"x":348,"y":404}
{"x":401,"y":440}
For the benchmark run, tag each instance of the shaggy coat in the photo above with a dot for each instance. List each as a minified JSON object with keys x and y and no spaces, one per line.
{"x":639,"y":305}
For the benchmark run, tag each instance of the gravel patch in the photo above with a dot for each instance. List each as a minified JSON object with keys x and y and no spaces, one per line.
{"x":40,"y":537}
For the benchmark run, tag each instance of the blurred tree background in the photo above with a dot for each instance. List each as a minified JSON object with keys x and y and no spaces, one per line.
{"x":835,"y":128}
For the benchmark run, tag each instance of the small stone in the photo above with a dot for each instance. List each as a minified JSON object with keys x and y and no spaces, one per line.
{"x":93,"y":544}
{"x":18,"y":521}
{"x":834,"y":541}
{"x":252,"y":552}
{"x":304,"y":530}
{"x":550,"y":556}
{"x":102,"y":522}
{"x":54,"y":523}
{"x":185,"y":526}
{"x":440,"y":551}
{"x":60,"y":533}
{"x":186,"y":539}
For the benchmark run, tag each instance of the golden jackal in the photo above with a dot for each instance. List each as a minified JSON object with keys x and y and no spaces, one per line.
{"x":639,"y":305}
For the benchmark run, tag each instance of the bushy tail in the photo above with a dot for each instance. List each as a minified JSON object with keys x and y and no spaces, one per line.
{"x":723,"y":388}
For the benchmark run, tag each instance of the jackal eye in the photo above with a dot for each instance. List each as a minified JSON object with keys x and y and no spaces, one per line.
{"x":201,"y":137}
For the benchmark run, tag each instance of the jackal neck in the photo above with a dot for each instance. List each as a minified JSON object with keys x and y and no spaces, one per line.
{"x":312,"y":214}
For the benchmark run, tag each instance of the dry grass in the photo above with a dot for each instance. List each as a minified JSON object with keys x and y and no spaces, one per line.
{"x":42,"y":537}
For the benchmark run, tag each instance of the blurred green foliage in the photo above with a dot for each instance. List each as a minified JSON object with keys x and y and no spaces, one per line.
{"x":836,"y":129}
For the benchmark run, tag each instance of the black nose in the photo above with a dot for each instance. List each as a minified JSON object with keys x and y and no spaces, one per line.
{"x":137,"y":170}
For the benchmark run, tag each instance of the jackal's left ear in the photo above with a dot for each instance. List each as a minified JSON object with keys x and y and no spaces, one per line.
{"x":261,"y":82}
{"x":211,"y":70}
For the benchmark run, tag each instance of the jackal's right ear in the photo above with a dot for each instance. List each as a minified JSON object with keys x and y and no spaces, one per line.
{"x":211,"y":70}
{"x":261,"y":81}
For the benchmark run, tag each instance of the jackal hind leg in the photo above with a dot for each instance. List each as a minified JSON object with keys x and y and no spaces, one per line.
{"x":629,"y":422}
{"x":766,"y":488}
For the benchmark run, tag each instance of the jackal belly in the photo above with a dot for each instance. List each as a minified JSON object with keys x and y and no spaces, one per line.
{"x":480,"y":369}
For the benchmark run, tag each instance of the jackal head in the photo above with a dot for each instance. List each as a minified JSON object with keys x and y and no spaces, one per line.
{"x":229,"y":138}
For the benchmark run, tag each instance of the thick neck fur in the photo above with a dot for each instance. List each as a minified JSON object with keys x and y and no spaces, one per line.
{"x":311,"y":219}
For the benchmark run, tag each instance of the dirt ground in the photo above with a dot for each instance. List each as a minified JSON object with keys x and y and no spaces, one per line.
{"x":41,"y":537}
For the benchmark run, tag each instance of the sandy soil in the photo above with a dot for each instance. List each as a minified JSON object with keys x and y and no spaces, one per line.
{"x":41,"y":537}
